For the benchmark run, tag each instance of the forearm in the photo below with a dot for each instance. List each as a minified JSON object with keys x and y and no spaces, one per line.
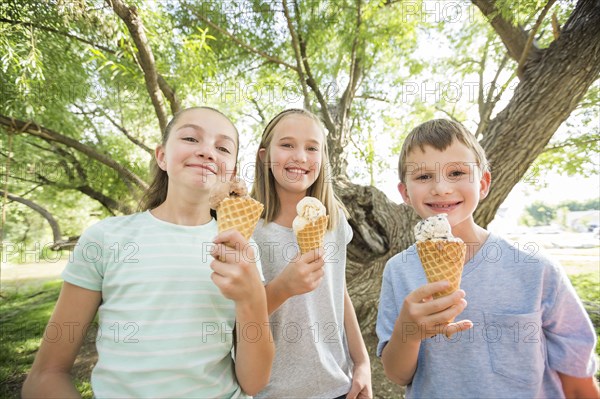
{"x":400,"y":356}
{"x":254,"y":347}
{"x":356,"y":344}
{"x":574,"y":387}
{"x":276,"y":294}
{"x":49,"y":385}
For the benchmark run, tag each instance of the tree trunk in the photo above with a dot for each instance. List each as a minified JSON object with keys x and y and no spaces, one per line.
{"x":552,"y":86}
{"x":381,"y":229}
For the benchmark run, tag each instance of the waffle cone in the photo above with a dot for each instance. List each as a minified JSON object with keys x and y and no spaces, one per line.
{"x":311,"y":236}
{"x":240,"y":214}
{"x":443,"y":260}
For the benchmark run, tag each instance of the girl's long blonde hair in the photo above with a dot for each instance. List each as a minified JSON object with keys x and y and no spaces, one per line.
{"x":263,"y":189}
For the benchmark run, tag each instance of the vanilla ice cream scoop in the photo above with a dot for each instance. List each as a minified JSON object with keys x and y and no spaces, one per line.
{"x":309,"y":209}
{"x":435,"y":228}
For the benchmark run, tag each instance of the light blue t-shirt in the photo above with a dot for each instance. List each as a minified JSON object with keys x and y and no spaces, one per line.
{"x":529,"y":324}
{"x":165,"y":329}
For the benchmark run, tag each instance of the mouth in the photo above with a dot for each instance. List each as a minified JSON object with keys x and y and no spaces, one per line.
{"x":444,"y":207}
{"x":203,"y":166}
{"x":296,"y":171}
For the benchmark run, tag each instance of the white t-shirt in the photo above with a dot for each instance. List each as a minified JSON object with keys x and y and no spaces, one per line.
{"x":311,"y":351}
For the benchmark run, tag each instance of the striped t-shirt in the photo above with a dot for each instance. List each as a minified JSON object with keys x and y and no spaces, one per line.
{"x":164,"y":328}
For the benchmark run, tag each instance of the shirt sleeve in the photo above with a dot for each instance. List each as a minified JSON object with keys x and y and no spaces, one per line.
{"x":86,"y":265}
{"x":388,"y":310}
{"x":570,"y":335}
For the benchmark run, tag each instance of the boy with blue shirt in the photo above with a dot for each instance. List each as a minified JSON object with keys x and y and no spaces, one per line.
{"x":525,"y":332}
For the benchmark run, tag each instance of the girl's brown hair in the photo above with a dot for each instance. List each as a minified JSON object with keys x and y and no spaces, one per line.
{"x":263,"y":189}
{"x":157,"y":191}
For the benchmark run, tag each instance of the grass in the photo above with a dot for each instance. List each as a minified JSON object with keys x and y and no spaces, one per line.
{"x":23,"y":318}
{"x":24,"y":314}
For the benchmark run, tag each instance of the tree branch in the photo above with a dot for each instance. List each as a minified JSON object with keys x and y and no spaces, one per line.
{"x":513,"y":37}
{"x":532,"y":33}
{"x":134,"y":24}
{"x":59,"y":32}
{"x":56,"y":234}
{"x":242,"y":44}
{"x":45,"y":133}
{"x":127,"y":134}
{"x":298,"y":57}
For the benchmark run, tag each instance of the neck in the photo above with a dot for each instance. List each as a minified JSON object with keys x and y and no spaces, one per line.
{"x":287,"y":206}
{"x":472,"y":234}
{"x":184,"y":210}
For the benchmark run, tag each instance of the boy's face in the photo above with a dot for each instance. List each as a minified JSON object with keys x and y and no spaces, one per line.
{"x":448,"y":181}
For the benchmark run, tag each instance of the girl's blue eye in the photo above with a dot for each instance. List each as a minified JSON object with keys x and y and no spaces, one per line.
{"x":286,"y":145}
{"x":313,"y":149}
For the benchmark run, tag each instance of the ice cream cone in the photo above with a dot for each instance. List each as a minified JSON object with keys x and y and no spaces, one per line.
{"x":240,"y":213}
{"x":311,"y":236}
{"x":443,"y":260}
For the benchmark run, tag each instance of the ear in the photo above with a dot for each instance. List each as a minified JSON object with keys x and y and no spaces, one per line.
{"x":262,"y":153}
{"x":485,"y":183}
{"x":159,"y":154}
{"x":404,"y":192}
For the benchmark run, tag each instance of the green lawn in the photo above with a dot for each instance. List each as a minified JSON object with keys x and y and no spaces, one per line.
{"x":23,"y":318}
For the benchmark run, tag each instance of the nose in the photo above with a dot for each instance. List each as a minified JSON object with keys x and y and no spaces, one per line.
{"x":441,"y":186}
{"x":299,"y":155}
{"x":205,"y":151}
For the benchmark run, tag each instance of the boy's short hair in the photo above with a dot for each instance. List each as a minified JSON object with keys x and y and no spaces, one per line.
{"x":440,"y":134}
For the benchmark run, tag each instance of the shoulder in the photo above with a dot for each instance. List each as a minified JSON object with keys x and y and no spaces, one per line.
{"x":530,"y":254}
{"x":342,"y":228}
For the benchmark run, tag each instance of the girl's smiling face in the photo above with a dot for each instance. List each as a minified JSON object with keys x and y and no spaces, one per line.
{"x":295,"y":153}
{"x":201,"y":149}
{"x":448,"y":181}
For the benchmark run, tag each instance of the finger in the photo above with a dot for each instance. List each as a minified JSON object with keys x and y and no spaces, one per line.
{"x":438,"y":306}
{"x":312,"y":255}
{"x":354,"y":391}
{"x":428,"y":290}
{"x":234,"y":255}
{"x":453,"y":328}
{"x":220,"y":268}
{"x":231,"y":237}
{"x":446,"y":313}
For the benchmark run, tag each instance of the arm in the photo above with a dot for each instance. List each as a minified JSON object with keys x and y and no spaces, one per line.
{"x":238,"y":279}
{"x":50,"y":374}
{"x":361,"y":375}
{"x":579,"y":387}
{"x":421,"y":317}
{"x":300,"y":276}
